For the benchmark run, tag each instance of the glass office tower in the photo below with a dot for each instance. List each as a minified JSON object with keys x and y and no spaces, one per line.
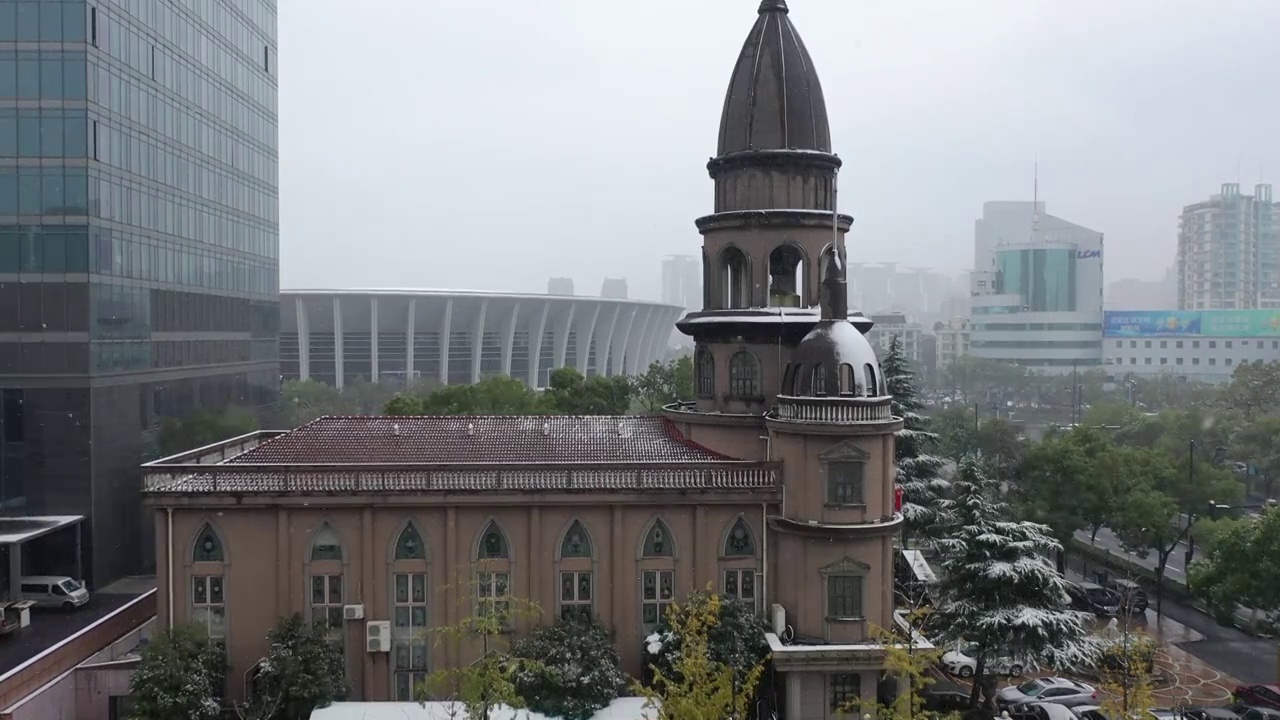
{"x":139,"y":255}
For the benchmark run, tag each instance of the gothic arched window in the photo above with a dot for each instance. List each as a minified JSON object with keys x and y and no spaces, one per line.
{"x":738,"y":564}
{"x":739,"y":543}
{"x":208,"y":547}
{"x":657,"y":543}
{"x":744,"y":375}
{"x":706,"y":379}
{"x":326,"y":545}
{"x":576,"y":543}
{"x":493,"y":544}
{"x":409,"y":545}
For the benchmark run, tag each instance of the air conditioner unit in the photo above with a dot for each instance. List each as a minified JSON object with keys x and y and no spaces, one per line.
{"x":352,"y":612}
{"x":779,"y":619}
{"x":378,"y":636}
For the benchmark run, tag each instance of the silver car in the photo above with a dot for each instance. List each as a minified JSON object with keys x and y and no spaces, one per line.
{"x":1058,"y":690}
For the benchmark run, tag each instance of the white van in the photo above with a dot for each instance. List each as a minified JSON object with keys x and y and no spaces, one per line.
{"x":53,"y":591}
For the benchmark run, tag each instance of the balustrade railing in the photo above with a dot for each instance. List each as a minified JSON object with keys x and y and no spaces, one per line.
{"x":833,"y":409}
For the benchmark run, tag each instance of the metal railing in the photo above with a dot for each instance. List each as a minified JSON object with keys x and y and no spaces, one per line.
{"x":833,"y":409}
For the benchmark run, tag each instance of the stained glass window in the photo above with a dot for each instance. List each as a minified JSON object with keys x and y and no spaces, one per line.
{"x":409,"y":545}
{"x":326,"y":545}
{"x":208,"y":546}
{"x":739,"y":542}
{"x":658,"y":542}
{"x":493,"y":544}
{"x":577,"y":543}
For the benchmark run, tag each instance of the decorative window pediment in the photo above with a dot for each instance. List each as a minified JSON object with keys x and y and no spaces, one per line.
{"x":845,"y":451}
{"x":846,"y":566}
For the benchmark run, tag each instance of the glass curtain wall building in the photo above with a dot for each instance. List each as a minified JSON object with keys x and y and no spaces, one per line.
{"x":139,"y":255}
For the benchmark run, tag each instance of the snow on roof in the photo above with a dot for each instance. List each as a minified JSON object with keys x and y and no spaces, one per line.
{"x":627,"y":708}
{"x":920,"y":566}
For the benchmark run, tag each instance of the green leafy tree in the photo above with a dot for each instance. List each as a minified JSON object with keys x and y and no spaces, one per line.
{"x":303,"y":671}
{"x":919,"y":472}
{"x":1064,"y":483}
{"x":664,"y":383}
{"x":1254,"y":389}
{"x":180,"y":675}
{"x":569,"y":393}
{"x":956,"y":429}
{"x":1242,"y":567}
{"x":912,"y":663}
{"x":568,"y":670}
{"x":1258,"y":444}
{"x":488,"y":683}
{"x":697,"y":686}
{"x":736,"y":638}
{"x":302,"y":401}
{"x":497,"y":395}
{"x":1125,"y":668}
{"x":1157,"y":494}
{"x":996,"y":592}
{"x":205,"y":427}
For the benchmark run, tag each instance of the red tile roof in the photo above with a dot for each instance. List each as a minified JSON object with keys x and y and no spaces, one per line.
{"x":481,"y":440}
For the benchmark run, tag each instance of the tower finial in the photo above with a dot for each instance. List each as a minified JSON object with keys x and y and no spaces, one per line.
{"x":773,"y":6}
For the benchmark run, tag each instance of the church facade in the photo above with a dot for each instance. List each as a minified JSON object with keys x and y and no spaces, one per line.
{"x":776,"y":484}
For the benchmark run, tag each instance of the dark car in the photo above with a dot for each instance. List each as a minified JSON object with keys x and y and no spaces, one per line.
{"x":944,"y":701}
{"x":1258,"y":696}
{"x":1133,"y":599}
{"x":1257,"y":713}
{"x":1091,"y":597}
{"x":1212,"y":713}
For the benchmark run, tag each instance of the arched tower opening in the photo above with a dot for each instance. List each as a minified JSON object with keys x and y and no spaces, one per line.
{"x":786,"y":277}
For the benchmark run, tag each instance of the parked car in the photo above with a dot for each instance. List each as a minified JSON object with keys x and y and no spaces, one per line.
{"x":1091,"y":597}
{"x":1133,"y":599}
{"x":1060,"y":690}
{"x":1095,"y":712}
{"x":962,"y":661}
{"x":1264,"y":696}
{"x":53,"y":591}
{"x":1040,"y":711}
{"x":943,"y":701}
{"x":1257,"y":713}
{"x":1210,"y":713}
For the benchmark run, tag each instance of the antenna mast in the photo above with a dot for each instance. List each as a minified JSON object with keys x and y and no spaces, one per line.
{"x":835,"y":213}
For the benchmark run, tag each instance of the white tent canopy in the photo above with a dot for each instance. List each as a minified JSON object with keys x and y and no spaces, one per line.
{"x":628,"y":708}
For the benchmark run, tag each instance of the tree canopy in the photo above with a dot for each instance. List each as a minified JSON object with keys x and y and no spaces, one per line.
{"x":571,"y":668}
{"x":568,"y":393}
{"x":919,"y":472}
{"x":181,"y":675}
{"x":205,"y":427}
{"x":303,"y":671}
{"x":1241,"y":567}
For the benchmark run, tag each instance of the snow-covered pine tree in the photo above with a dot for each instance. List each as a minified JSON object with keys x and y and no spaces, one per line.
{"x":998,"y":589}
{"x":919,"y":473}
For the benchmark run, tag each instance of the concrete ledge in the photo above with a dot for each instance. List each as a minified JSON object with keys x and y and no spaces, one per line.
{"x":65,"y":655}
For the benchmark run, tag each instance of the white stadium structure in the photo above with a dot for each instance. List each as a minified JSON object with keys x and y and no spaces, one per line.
{"x":341,"y":336}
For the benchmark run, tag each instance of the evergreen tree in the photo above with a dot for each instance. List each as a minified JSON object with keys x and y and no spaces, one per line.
{"x":573,"y":669}
{"x":919,"y":473}
{"x":180,"y":675}
{"x":735,"y":638}
{"x":303,"y":671}
{"x":999,"y":592}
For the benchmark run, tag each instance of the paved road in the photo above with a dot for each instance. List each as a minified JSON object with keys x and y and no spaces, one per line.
{"x":1246,"y":658}
{"x":48,"y":627}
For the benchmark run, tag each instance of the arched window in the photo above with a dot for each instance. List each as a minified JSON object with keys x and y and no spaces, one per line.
{"x":208,"y":582}
{"x":657,"y":575}
{"x":786,"y":277}
{"x":819,"y":379}
{"x":493,"y":544}
{"x":736,"y":281}
{"x":847,"y":384}
{"x":706,"y":282}
{"x":575,"y":572}
{"x":706,"y":379}
{"x":409,"y":544}
{"x":410,"y":604}
{"x":326,"y":545}
{"x":873,"y":390}
{"x":328,"y":590}
{"x":208,"y":547}
{"x":738,"y":563}
{"x":576,"y":543}
{"x":493,"y":578}
{"x":744,"y":375}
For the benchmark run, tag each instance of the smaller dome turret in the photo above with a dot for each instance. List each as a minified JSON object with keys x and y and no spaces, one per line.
{"x":834,"y":360}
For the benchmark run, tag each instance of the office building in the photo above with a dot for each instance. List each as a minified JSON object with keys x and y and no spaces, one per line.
{"x":1200,"y":345}
{"x":952,"y":342}
{"x":1131,"y":294}
{"x":416,"y":521}
{"x":138,"y":244}
{"x":453,"y":337}
{"x":1036,"y":297}
{"x":682,"y":281}
{"x":560,"y":286}
{"x":614,"y":288}
{"x":1229,"y":251}
{"x":909,"y":334}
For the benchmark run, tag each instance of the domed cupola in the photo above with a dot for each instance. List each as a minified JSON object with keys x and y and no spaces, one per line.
{"x":834,"y":375}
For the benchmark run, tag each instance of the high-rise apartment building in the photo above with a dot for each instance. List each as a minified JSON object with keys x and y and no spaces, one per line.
{"x":682,"y":281}
{"x":614,"y":288}
{"x":560,"y":286}
{"x":1229,"y":251}
{"x":139,"y":243}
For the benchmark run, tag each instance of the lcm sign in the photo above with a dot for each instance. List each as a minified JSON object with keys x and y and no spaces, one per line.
{"x":1088,"y":254}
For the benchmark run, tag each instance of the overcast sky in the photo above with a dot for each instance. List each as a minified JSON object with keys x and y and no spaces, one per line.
{"x":491,"y":144}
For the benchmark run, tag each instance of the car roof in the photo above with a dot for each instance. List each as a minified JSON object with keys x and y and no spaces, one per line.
{"x":44,"y":578}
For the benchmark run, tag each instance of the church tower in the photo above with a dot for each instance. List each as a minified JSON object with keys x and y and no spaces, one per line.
{"x":775,"y":196}
{"x":783,"y":373}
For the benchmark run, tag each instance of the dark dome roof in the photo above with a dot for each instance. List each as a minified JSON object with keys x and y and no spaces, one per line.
{"x":774,"y":100}
{"x":834,"y":359}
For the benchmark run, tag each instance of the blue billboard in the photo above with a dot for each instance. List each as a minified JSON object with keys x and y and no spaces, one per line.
{"x":1151,"y":323}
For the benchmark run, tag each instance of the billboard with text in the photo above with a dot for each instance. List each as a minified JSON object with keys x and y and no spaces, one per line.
{"x":1206,"y":323}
